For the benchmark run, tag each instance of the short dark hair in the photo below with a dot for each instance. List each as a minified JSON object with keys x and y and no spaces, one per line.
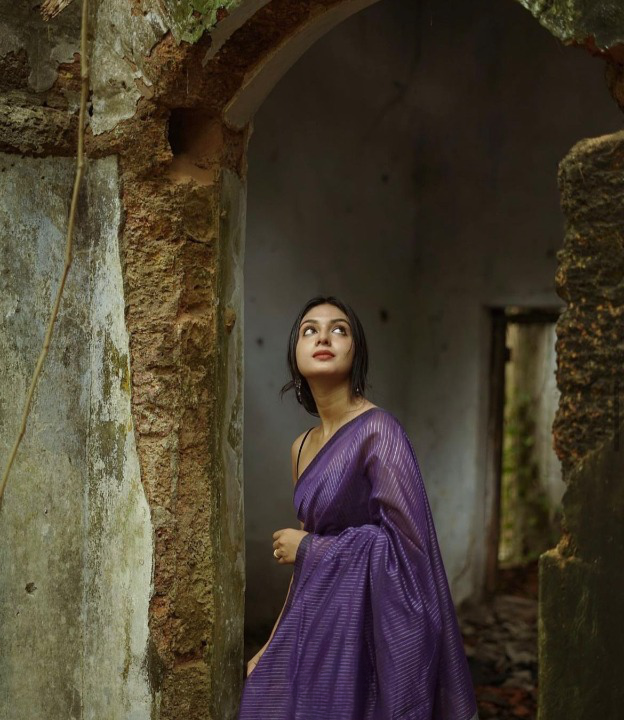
{"x":359,"y":368}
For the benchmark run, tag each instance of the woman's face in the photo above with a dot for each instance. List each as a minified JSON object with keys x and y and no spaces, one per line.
{"x":325,"y":328}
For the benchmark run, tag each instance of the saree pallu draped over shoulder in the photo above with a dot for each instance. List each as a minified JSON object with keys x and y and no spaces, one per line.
{"x":369,"y":630}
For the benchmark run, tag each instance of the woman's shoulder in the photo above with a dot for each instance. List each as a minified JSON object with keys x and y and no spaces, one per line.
{"x":383,"y":437}
{"x":382,"y":424}
{"x":380,"y":417}
{"x":298,"y":440}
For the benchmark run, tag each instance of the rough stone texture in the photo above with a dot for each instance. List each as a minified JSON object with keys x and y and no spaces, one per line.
{"x":183,"y":278}
{"x":36,"y":131}
{"x":579,"y":20}
{"x":597,"y":25}
{"x":590,"y":278}
{"x":581,"y":632}
{"x":76,"y":541}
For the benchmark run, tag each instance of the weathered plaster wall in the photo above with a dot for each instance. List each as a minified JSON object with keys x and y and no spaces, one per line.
{"x":43,"y":524}
{"x":21,"y":29}
{"x":119,"y":543}
{"x":38,"y":80}
{"x":407,"y":162}
{"x":75,"y":536}
{"x":581,"y":20}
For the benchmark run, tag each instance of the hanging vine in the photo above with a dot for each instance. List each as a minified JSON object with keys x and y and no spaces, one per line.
{"x":80,"y":164}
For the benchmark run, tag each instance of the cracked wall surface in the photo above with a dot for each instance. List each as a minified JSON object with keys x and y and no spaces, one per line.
{"x":76,"y":539}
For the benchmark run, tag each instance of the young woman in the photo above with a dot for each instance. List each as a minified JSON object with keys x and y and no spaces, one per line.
{"x":368,"y":630}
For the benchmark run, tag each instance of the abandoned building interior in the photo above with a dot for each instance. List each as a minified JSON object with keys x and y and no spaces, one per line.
{"x":456,"y":174}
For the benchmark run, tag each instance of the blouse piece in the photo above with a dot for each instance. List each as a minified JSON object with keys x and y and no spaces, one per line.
{"x":369,"y":630}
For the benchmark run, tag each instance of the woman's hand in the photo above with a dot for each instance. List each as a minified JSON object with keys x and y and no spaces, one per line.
{"x":286,"y":543}
{"x":254,"y":660}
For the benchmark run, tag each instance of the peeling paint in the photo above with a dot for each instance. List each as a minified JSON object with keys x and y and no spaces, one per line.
{"x":122,"y":43}
{"x":47,"y":44}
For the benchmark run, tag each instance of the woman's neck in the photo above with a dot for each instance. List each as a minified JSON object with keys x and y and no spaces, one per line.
{"x":335,"y":411}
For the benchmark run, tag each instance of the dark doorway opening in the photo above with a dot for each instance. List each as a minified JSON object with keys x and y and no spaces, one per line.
{"x":524,"y":478}
{"x":527,"y":486}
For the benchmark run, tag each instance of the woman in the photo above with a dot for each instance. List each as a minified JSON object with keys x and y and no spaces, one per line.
{"x":368,"y":630}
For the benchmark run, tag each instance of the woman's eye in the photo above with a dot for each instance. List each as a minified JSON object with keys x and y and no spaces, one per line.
{"x":338,"y":327}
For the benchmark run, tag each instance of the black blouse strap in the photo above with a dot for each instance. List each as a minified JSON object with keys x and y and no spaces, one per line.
{"x":300,"y":446}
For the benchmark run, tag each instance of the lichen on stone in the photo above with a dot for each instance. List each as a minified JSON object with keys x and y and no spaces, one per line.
{"x":579,"y":20}
{"x":188,"y":19}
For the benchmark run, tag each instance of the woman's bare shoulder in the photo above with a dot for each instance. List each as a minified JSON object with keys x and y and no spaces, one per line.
{"x":294,"y":452}
{"x":297,"y":442}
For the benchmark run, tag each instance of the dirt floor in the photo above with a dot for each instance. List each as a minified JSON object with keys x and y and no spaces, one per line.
{"x":500,"y":640}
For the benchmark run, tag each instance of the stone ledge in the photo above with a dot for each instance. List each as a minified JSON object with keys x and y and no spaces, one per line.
{"x":36,"y":131}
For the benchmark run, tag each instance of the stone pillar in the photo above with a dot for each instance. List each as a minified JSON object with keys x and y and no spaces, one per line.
{"x":581,"y":595}
{"x":182,"y":250}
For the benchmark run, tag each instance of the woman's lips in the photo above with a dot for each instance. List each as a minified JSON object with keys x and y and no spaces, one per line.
{"x":323,"y":356}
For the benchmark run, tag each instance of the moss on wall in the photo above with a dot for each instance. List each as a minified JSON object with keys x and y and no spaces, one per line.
{"x":581,"y":585}
{"x":75,"y":523}
{"x":189,"y":19}
{"x":578,"y":20}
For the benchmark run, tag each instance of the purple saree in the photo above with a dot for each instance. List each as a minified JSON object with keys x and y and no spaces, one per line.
{"x":369,"y":630}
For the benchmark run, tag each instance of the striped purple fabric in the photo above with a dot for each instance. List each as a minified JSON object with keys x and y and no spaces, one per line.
{"x":369,"y":630}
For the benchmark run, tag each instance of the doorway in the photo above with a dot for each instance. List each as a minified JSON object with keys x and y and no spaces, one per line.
{"x":525,"y":518}
{"x":527,"y":484}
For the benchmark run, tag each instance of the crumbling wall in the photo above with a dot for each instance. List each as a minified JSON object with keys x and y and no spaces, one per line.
{"x":581,"y":585}
{"x":75,"y":528}
{"x":576,"y":21}
{"x":148,"y":528}
{"x":581,"y":589}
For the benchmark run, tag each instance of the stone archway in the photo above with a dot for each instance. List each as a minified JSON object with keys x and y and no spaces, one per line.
{"x":183,"y":171}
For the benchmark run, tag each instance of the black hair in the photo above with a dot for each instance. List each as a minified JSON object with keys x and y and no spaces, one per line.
{"x":359,"y":368}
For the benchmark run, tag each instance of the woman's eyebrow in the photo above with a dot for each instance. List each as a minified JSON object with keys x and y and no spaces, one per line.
{"x":316,"y":322}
